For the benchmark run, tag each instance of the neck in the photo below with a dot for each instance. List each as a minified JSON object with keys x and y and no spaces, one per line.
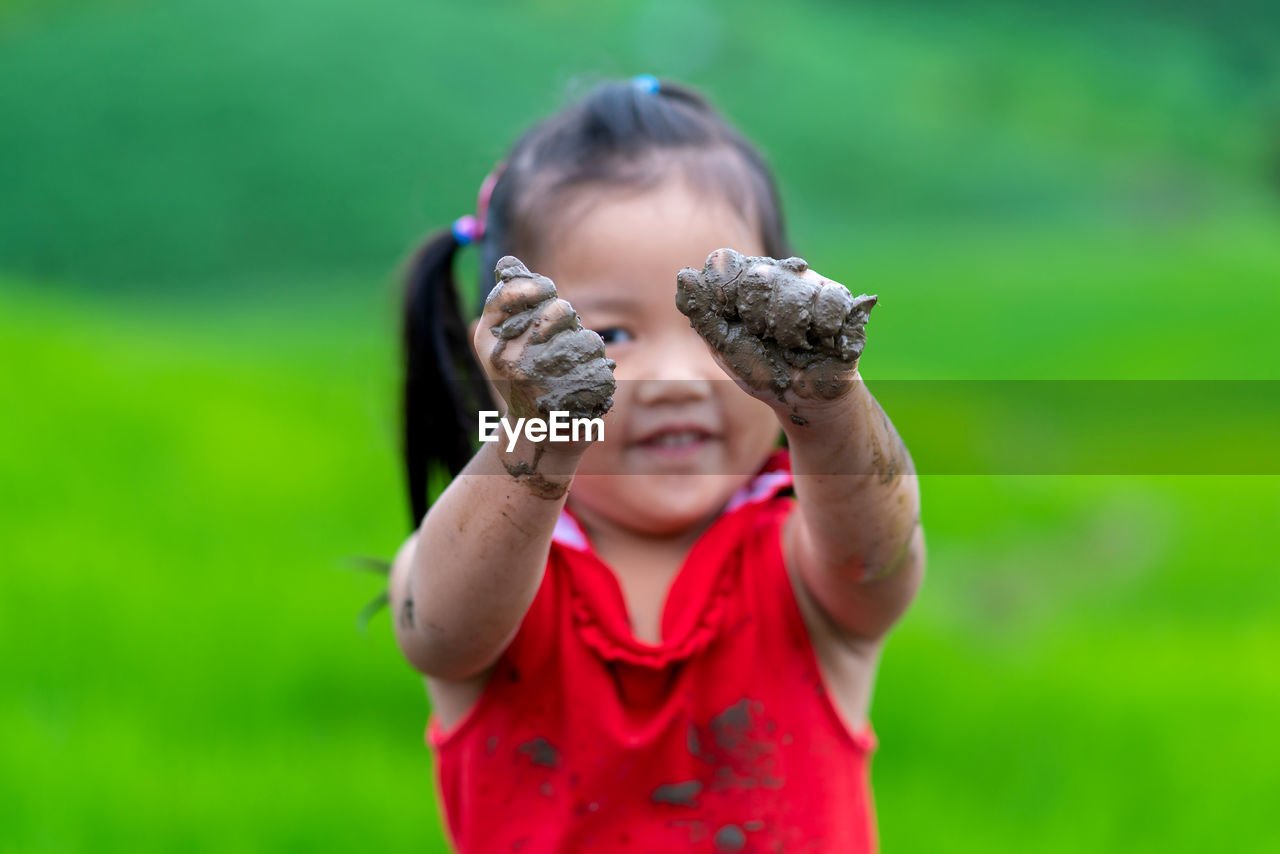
{"x":622,"y":547}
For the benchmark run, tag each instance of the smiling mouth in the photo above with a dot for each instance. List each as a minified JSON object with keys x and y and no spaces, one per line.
{"x":675,"y":440}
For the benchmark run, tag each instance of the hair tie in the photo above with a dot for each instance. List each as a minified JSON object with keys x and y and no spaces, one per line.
{"x":486,"y":192}
{"x":646,"y":83}
{"x":465,"y":229}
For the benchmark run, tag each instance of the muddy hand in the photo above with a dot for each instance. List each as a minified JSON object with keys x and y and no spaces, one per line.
{"x":538,"y":354}
{"x":776,"y":326}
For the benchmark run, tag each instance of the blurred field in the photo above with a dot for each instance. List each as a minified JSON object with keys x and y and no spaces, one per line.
{"x":204,"y":204}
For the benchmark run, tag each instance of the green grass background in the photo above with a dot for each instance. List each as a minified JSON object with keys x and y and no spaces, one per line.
{"x":203,"y":208}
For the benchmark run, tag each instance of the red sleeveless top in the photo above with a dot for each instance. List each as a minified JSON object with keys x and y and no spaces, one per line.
{"x":720,"y":739}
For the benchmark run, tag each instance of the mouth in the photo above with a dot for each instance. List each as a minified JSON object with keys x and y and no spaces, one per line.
{"x":676,"y":440}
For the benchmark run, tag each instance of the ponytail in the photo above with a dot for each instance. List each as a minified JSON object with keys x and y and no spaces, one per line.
{"x":444,"y":387}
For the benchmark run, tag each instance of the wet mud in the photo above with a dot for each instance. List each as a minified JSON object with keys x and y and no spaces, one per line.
{"x":775,"y":329}
{"x":678,"y":794}
{"x":541,"y":752}
{"x":539,"y":485}
{"x":561,"y":366}
{"x":730,"y":838}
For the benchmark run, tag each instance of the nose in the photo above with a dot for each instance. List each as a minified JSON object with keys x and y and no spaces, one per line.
{"x":678,"y":369}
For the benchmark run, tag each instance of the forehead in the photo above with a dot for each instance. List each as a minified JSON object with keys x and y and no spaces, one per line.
{"x":623,"y":245}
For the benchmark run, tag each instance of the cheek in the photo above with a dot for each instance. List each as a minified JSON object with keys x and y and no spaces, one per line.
{"x":629,"y":360}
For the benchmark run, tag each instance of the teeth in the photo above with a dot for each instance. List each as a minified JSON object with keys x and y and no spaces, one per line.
{"x":680,"y":439}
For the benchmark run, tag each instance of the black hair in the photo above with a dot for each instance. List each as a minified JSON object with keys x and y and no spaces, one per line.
{"x":620,"y":134}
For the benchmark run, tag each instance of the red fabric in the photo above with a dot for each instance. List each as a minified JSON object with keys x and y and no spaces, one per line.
{"x":720,"y":739}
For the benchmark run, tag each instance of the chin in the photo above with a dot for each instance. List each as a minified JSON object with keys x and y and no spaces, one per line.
{"x":669,"y":504}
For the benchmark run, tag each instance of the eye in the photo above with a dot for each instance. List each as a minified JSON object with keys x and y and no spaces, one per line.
{"x":613,"y":335}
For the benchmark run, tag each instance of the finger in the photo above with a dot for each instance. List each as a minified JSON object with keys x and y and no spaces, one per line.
{"x":551,"y":318}
{"x":853,"y":337}
{"x":831,"y":307}
{"x":515,"y":325}
{"x":564,"y":352}
{"x":817,"y":278}
{"x":753,"y":298}
{"x":859,"y":313}
{"x":723,"y":266}
{"x":747,"y":357}
{"x":777,"y":302}
{"x":791,"y":306}
{"x":547,"y":322}
{"x":796,"y":265}
{"x":863,"y":304}
{"x":713,"y":328}
{"x":694,"y":297}
{"x":584,"y":392}
{"x":516,"y":289}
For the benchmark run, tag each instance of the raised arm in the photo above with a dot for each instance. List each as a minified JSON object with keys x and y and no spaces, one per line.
{"x":463,"y":583}
{"x":856,"y":540}
{"x":793,"y":339}
{"x":466,"y":579}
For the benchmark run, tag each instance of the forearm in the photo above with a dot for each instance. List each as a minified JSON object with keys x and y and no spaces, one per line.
{"x":480,"y":556}
{"x":857,"y":492}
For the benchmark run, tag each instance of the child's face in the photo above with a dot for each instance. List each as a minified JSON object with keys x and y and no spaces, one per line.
{"x":681,"y":432}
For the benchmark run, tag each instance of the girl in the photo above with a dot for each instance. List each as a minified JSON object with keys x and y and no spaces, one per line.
{"x":664,"y":639}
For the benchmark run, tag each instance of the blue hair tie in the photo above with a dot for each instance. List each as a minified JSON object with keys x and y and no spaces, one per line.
{"x":465,"y":229}
{"x":646,"y":83}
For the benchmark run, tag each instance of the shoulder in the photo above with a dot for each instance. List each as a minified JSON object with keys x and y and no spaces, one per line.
{"x":403,"y":558}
